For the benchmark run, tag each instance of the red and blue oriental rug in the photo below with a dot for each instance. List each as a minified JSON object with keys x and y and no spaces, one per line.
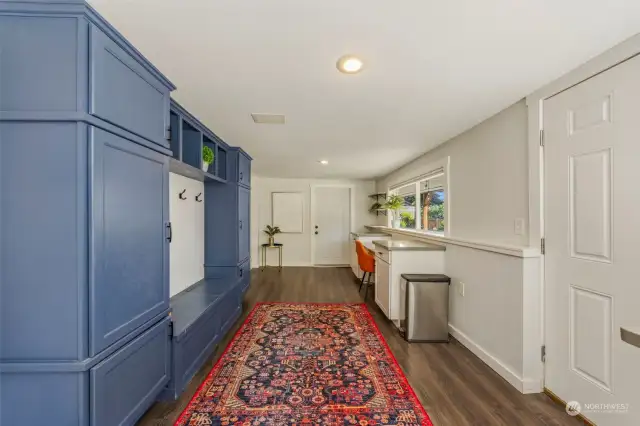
{"x":306,"y":364}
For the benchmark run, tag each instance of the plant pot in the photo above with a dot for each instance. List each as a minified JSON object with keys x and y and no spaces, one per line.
{"x":271,"y":241}
{"x":205,"y":166}
{"x":396,"y":223}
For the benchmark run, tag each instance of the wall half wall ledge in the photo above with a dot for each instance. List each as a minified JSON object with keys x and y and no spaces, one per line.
{"x":508,"y":250}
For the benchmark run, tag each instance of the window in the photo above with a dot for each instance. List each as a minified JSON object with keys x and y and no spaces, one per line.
{"x":424,"y":206}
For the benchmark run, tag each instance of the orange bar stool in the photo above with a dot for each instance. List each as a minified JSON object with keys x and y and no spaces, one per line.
{"x":367,"y":263}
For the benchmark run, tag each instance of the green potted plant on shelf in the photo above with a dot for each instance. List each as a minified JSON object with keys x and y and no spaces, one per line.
{"x":207,"y":158}
{"x":271,"y":231}
{"x":394,"y":204}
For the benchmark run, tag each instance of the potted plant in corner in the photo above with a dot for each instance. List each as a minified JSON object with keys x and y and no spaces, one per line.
{"x":207,"y":158}
{"x":394,"y":204}
{"x":271,"y":231}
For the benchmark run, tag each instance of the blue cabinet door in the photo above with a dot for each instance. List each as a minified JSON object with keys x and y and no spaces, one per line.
{"x":244,"y":170}
{"x":129,"y":251}
{"x":244,"y":215}
{"x":126,"y":384}
{"x":124,"y":93}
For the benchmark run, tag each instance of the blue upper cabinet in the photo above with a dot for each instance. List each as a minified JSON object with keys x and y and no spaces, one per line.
{"x":244,"y":169}
{"x":62,"y":61}
{"x":129,"y":250}
{"x":115,"y":79}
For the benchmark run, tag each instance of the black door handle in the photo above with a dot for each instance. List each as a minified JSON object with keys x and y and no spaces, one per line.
{"x":241,"y":175}
{"x":170,"y":229}
{"x":240,"y":224}
{"x":316,"y":232}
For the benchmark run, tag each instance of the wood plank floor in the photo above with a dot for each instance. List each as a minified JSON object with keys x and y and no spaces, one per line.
{"x":455,"y":387}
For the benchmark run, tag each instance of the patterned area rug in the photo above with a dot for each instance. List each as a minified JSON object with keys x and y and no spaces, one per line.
{"x":306,"y":364}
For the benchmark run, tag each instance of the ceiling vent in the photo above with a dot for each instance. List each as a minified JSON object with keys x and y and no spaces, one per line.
{"x":268,"y":118}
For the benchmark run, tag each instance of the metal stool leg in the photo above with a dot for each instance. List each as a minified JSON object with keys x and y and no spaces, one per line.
{"x":362,"y":282}
{"x":366,"y":290}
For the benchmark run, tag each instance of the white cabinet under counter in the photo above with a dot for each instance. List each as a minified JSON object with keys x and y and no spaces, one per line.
{"x":367,"y":239}
{"x":394,"y":258}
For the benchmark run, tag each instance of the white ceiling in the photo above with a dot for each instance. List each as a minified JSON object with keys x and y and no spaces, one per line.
{"x":433,"y":69}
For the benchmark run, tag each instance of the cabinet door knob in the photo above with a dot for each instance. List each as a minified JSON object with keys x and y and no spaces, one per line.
{"x":241,"y":175}
{"x":240,"y":224}
{"x":316,"y":232}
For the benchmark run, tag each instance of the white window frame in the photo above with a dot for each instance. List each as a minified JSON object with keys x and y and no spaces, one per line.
{"x":436,"y":169}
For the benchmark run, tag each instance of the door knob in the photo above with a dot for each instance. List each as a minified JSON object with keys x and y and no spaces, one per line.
{"x":316,"y":232}
{"x":316,"y":226}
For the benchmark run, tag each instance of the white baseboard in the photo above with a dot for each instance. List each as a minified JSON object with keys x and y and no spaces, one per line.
{"x":523,"y":385}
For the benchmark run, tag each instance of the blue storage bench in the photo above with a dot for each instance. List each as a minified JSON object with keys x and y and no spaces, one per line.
{"x":201,"y":316}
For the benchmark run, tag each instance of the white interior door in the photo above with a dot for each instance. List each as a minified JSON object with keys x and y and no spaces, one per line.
{"x":331,"y":225}
{"x":592,"y":173}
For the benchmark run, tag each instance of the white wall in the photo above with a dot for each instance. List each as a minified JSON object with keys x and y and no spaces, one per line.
{"x":499,"y":316}
{"x":488,"y":177}
{"x":297,"y":247}
{"x":187,"y":223}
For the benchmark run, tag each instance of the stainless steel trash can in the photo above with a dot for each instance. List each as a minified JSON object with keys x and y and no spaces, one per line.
{"x":427,"y":307}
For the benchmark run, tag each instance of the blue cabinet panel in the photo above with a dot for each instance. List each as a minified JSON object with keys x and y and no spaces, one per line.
{"x":244,"y":170}
{"x":124,"y":385}
{"x":124,"y":93}
{"x":39,"y":63}
{"x":129,"y":250}
{"x":44,"y":399}
{"x":221,"y":226}
{"x":43,"y":238}
{"x":244,"y":215}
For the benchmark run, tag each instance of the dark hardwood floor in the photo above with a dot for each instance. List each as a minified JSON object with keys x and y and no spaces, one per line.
{"x":455,"y":387}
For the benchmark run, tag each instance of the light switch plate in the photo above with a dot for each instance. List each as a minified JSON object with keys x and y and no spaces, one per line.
{"x":518,"y":226}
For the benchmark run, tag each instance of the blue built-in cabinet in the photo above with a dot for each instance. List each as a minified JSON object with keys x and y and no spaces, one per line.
{"x":229,"y":255}
{"x":84,"y":220}
{"x":206,"y":311}
{"x":88,"y":137}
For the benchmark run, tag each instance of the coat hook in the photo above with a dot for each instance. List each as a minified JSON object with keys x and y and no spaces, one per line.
{"x":198,"y":199}
{"x":181,"y":195}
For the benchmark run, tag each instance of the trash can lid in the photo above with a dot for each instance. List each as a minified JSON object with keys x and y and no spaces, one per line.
{"x":426,"y":278}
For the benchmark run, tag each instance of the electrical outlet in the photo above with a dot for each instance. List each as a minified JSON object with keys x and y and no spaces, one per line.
{"x":461,"y":288}
{"x":518,"y":226}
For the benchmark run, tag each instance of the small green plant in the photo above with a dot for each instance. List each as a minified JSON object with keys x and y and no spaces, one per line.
{"x":272,"y":230}
{"x":207,"y":155}
{"x":394,"y":203}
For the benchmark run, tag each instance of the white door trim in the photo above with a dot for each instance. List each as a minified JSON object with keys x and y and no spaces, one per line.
{"x":535,"y":103}
{"x":312,"y":212}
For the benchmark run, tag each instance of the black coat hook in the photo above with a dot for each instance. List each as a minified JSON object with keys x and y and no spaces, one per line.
{"x":181,"y":195}
{"x":198,"y":199}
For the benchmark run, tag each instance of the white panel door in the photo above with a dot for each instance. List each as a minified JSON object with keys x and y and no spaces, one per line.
{"x":331,"y":225}
{"x":592,"y":178}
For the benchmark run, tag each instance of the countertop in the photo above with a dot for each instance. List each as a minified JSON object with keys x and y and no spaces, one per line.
{"x":408,"y":245}
{"x":370,"y":234}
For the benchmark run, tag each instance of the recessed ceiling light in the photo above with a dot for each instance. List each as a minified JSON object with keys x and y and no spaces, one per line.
{"x":349,"y":64}
{"x":323,"y":162}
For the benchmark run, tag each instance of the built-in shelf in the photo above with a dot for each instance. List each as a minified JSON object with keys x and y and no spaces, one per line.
{"x":191,"y":172}
{"x":187,"y":138}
